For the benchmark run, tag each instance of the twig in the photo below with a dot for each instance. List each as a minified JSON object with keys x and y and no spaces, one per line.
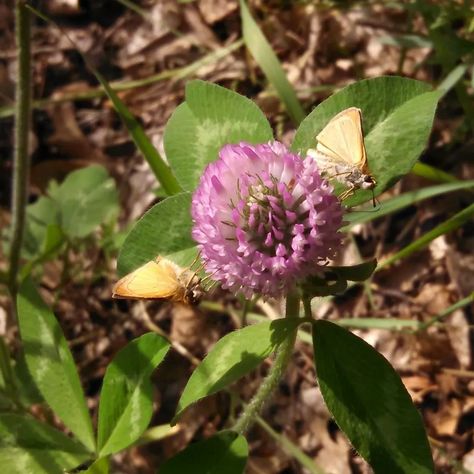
{"x":469,"y":374}
{"x":177,"y":346}
{"x":120,"y":86}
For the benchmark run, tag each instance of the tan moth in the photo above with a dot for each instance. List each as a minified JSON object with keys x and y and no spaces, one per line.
{"x":340,"y":152}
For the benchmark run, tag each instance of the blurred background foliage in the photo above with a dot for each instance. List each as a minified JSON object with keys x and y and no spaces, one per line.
{"x":106,"y":77}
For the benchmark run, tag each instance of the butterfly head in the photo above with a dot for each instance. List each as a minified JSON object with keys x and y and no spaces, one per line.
{"x":194,"y":293}
{"x":192,"y":290}
{"x":368,"y":182}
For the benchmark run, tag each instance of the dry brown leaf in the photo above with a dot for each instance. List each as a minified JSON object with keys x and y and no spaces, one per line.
{"x":216,"y":10}
{"x":461,"y":268}
{"x":433,"y":298}
{"x":418,"y":386}
{"x":445,"y":420}
{"x":459,"y":333}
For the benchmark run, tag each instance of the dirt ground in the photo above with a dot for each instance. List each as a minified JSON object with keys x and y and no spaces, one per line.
{"x":322,"y":48}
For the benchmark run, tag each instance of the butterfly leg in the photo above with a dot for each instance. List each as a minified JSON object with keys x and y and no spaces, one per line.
{"x":347,"y":193}
{"x":337,"y":175}
{"x":346,"y":175}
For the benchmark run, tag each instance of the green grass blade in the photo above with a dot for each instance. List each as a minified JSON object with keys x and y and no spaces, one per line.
{"x":3,"y":278}
{"x":459,"y":304}
{"x":389,"y":324}
{"x":135,"y":8}
{"x":433,"y":174}
{"x":161,"y":170}
{"x":404,"y":200}
{"x":395,"y":324}
{"x":178,"y":73}
{"x":263,"y":53}
{"x":447,"y":226}
{"x":7,"y":373}
{"x":156,"y":433}
{"x":452,"y":78}
{"x":290,"y":448}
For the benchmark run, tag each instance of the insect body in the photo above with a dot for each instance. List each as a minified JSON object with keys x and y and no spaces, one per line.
{"x":340,"y":152}
{"x":160,"y":279}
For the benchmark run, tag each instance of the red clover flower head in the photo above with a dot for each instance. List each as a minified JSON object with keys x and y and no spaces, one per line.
{"x":264,"y":218}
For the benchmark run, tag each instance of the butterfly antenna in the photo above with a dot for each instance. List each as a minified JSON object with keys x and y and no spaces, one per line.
{"x":191,"y":278}
{"x":376,"y":207}
{"x":211,"y":285}
{"x":196,"y":258}
{"x":195,"y":271}
{"x":376,"y":204}
{"x":209,"y":276}
{"x":374,"y":201}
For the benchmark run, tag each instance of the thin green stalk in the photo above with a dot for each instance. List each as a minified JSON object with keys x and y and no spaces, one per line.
{"x":448,"y":225}
{"x":245,"y":310}
{"x":433,"y":174}
{"x":118,"y":86}
{"x":266,"y":58}
{"x":459,"y":304}
{"x":466,"y":103}
{"x":402,"y":201}
{"x":451,"y":79}
{"x":3,"y":278}
{"x":156,"y":433}
{"x":10,"y":387}
{"x":21,"y":158}
{"x":308,"y":313}
{"x":401,"y":60}
{"x":135,"y":8}
{"x":248,"y":416}
{"x":290,"y":448}
{"x":160,"y":168}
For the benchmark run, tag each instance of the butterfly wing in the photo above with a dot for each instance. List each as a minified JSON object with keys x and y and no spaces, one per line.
{"x":342,"y":139}
{"x":155,"y":279}
{"x":326,"y":164}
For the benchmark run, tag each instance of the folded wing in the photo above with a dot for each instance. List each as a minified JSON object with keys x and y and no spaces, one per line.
{"x":342,"y":139}
{"x":155,"y":279}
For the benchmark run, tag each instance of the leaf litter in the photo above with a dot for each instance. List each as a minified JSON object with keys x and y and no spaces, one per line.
{"x":321,"y":49}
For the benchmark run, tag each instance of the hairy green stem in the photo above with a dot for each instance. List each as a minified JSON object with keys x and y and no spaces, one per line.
{"x":21,"y":158}
{"x":249,"y":414}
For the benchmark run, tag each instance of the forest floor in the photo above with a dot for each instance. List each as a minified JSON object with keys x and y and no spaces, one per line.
{"x":322,"y":49}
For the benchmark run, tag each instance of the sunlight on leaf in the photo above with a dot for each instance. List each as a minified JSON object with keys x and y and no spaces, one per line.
{"x":51,"y":365}
{"x":369,"y":402}
{"x":126,"y":404}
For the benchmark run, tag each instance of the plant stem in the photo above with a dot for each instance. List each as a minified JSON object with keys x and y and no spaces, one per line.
{"x":21,"y":158}
{"x":94,"y":93}
{"x":9,"y":381}
{"x":248,"y":416}
{"x":290,"y":448}
{"x":308,"y":312}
